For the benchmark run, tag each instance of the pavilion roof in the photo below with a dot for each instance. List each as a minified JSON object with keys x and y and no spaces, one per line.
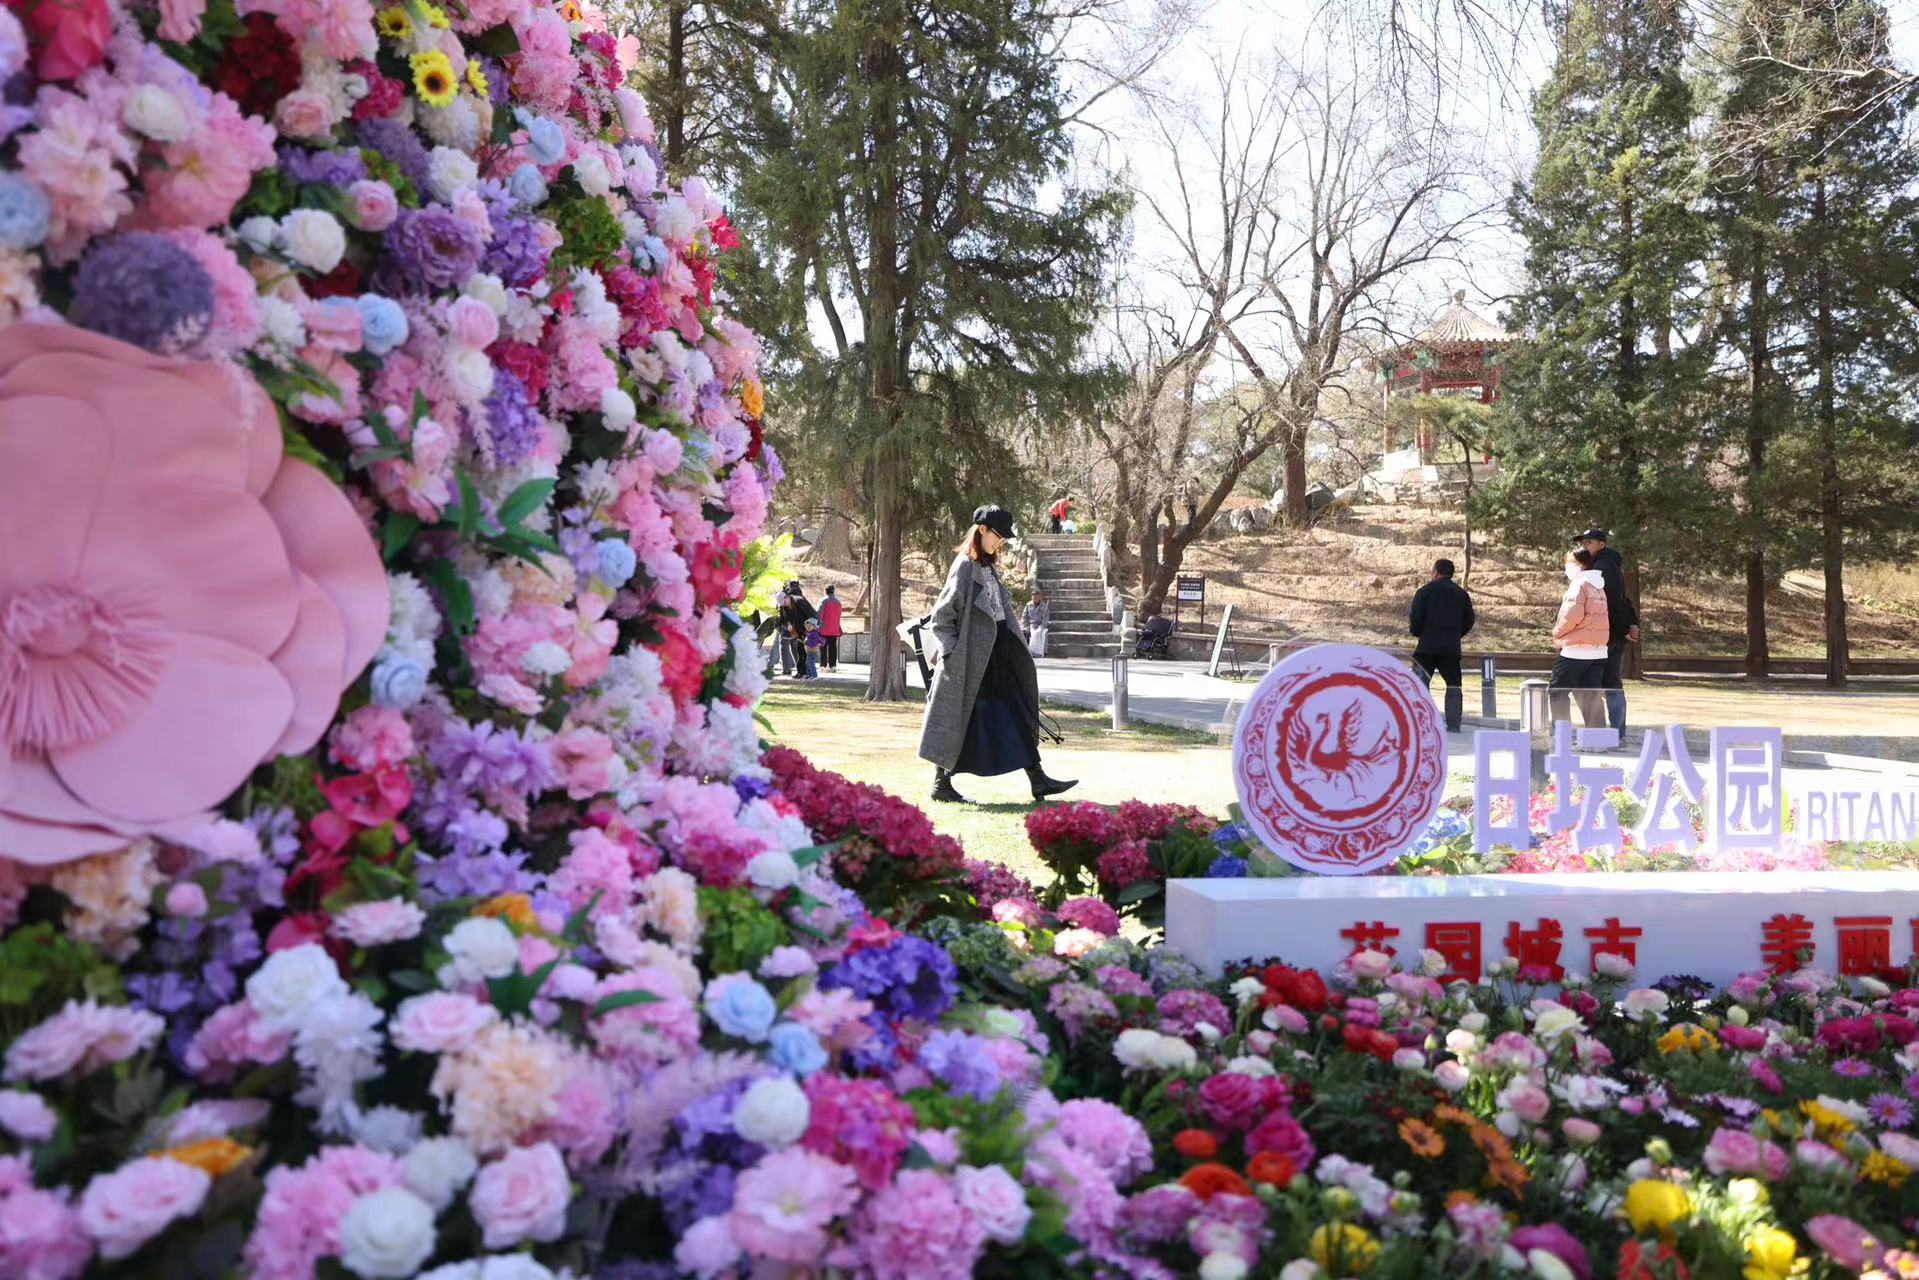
{"x":1456,"y":327}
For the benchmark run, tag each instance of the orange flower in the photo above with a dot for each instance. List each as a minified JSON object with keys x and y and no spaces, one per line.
{"x":1510,"y":1174}
{"x":1196,"y":1144}
{"x":753,"y":398}
{"x":1446,"y":1113}
{"x":1421,"y":1139}
{"x":1271,"y":1167}
{"x":1456,"y":1198}
{"x":516,"y":908}
{"x":1209,"y":1180}
{"x":213,"y":1156}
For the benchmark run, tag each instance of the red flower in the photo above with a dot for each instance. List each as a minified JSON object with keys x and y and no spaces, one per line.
{"x":298,"y":930}
{"x":1663,"y":1265}
{"x":384,"y":95}
{"x":532,"y":366}
{"x":724,"y":237}
{"x":68,"y":36}
{"x":259,"y":67}
{"x":1196,"y":1144}
{"x":716,"y":568}
{"x":682,"y":671}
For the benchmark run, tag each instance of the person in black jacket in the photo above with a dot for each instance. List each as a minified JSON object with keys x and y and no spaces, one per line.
{"x":1442,"y":616}
{"x":1622,"y":622}
{"x":797,"y":613}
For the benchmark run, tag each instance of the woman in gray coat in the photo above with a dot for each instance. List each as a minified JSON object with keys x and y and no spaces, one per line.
{"x":982,"y":713}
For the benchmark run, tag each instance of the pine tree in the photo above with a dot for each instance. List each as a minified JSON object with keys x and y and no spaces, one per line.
{"x":1599,"y":420}
{"x":906,"y":169}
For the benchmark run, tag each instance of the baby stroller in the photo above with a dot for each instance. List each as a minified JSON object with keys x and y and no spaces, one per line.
{"x":1155,"y":639}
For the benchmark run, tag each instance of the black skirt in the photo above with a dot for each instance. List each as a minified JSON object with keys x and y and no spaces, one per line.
{"x":1003,"y":734}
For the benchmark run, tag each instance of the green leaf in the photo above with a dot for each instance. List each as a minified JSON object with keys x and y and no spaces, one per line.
{"x":421,"y":407}
{"x":454,"y":589}
{"x":524,"y":501}
{"x":496,"y":42}
{"x":398,"y":530}
{"x":623,"y":1000}
{"x":469,"y":505}
{"x":1139,"y":892}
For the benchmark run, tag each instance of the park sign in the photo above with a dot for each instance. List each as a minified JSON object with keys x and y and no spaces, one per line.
{"x":1341,"y":766}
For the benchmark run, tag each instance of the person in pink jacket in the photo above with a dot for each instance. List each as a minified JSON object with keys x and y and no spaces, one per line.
{"x":830,"y":630}
{"x":1580,"y":634}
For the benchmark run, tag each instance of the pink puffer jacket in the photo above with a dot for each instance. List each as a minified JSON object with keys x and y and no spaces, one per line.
{"x":1582,"y":614}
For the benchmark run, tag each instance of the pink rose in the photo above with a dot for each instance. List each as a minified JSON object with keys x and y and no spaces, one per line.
{"x":180,"y":19}
{"x":26,"y":1116}
{"x":440,"y":1022}
{"x":83,"y":1036}
{"x":663,"y":451}
{"x":708,"y":1247}
{"x":303,"y":114}
{"x":1581,"y":1133}
{"x":124,"y":1209}
{"x":374,"y":205}
{"x":375,"y":924}
{"x":522,"y":1196}
{"x":992,"y":1197}
{"x":470,"y":209}
{"x":472,"y":323}
{"x":1232,"y":1100}
{"x":232,"y":1038}
{"x":40,"y":1238}
{"x":69,"y":36}
{"x":331,"y":325}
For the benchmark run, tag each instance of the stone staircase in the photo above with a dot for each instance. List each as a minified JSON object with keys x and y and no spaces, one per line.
{"x":1069,"y":571}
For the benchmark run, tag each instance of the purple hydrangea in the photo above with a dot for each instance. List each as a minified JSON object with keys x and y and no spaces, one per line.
{"x":512,"y":423}
{"x":1226,"y":867}
{"x":751,"y":789}
{"x":906,"y":978}
{"x":398,"y":146}
{"x":429,"y":249}
{"x":961,"y":1063}
{"x":143,"y":289}
{"x":488,"y":760}
{"x":321,"y":168}
{"x":516,"y":254}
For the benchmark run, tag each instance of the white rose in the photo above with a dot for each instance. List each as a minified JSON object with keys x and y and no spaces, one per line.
{"x":1610,"y":964}
{"x":1474,"y":1022}
{"x":468,"y":1270}
{"x":470,"y":373}
{"x":291,"y":982}
{"x":1301,"y":1269}
{"x":591,"y":173}
{"x":1452,"y":1076}
{"x":1646,"y":1004}
{"x":1207,"y":1032}
{"x":387,"y":1234}
{"x":281,"y":321}
{"x":618,"y":409}
{"x":1222,"y":1266}
{"x":156,"y":113}
{"x":1258,"y":1068}
{"x":1738,"y":1016}
{"x":260,"y":234}
{"x":1547,"y":1266}
{"x":772,"y":1112}
{"x":1461,"y":1043}
{"x":1134,"y":1047}
{"x":1173,"y":1054}
{"x":313,"y":238}
{"x":1555,"y":1022}
{"x":1247,"y":990}
{"x":437,"y":1168}
{"x":1874,"y":988}
{"x":513,"y":1266}
{"x":489,"y":289}
{"x":774,"y":869}
{"x":547,"y":658}
{"x":1432,"y":963}
{"x":479,"y":948}
{"x":451,"y":171}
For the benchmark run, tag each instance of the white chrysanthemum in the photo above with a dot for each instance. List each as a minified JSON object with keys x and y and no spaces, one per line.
{"x":546,"y":659}
{"x":412,"y":617}
{"x":337,"y":1044}
{"x":280,"y":319}
{"x":479,"y":948}
{"x":455,"y":127}
{"x":634,"y":676}
{"x":291,"y":982}
{"x":488,"y":288}
{"x":469,"y":372}
{"x":699,"y":369}
{"x":492,"y":593}
{"x":595,"y":482}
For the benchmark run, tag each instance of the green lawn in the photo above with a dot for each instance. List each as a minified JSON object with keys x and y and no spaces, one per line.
{"x":878,"y":743}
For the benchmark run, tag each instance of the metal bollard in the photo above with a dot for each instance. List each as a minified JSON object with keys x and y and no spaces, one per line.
{"x":1121,"y":713}
{"x":1489,"y":688}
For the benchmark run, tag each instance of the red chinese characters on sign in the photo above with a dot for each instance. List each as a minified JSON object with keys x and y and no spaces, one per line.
{"x":1865,"y":944}
{"x":1371,"y":937}
{"x":1460,"y":944}
{"x":1615,"y":938}
{"x":1783,"y":939}
{"x":1537,"y":949}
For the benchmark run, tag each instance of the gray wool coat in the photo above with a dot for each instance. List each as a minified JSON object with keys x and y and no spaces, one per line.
{"x":966,"y":632}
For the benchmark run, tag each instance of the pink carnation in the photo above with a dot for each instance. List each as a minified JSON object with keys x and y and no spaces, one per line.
{"x":376,"y":924}
{"x":1107,"y":1135}
{"x":124,"y":1209}
{"x":205,"y":176}
{"x":298,"y":1221}
{"x":596,"y":871}
{"x":783,"y":1205}
{"x":233,"y":1038}
{"x":372,"y":737}
{"x":26,"y":1116}
{"x":654,"y":1032}
{"x":40,"y":1234}
{"x":82,"y":1037}
{"x":522,"y":1196}
{"x":917,"y":1227}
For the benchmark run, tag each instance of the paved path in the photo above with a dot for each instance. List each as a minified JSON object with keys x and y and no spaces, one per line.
{"x":1182,"y":695}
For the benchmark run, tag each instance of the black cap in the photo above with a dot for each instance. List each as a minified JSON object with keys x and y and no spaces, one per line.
{"x":998,"y":519}
{"x":1594,"y":534}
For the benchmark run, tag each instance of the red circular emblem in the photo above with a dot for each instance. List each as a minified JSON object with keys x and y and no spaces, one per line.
{"x":1339,"y":759}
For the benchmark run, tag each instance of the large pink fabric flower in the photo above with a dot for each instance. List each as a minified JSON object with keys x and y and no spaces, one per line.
{"x":178,"y":600}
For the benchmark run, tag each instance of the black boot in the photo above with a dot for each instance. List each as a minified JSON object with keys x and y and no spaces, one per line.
{"x":1045,"y":787}
{"x":943,"y":789}
{"x":1455,"y":709}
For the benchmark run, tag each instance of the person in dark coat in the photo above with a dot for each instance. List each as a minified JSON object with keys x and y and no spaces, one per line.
{"x":1622,"y":622}
{"x":1442,"y":616}
{"x":798,"y":612}
{"x":982,"y":712}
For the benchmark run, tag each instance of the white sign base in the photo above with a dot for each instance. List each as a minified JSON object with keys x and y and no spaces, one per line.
{"x":1712,"y":925}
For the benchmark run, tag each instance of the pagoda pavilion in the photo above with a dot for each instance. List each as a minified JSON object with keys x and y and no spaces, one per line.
{"x":1458,"y":354}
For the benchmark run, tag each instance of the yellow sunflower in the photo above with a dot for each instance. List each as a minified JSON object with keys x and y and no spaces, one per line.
{"x":476,"y":77}
{"x":433,"y":78}
{"x":570,"y":11}
{"x":435,"y":17}
{"x":395,"y":24}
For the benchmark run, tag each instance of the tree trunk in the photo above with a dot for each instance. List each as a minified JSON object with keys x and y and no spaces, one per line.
{"x":1634,"y":665}
{"x":1832,"y":522}
{"x":1293,"y":453}
{"x":1148,"y":558}
{"x":886,"y":679}
{"x":1758,"y":359}
{"x":675,"y":104}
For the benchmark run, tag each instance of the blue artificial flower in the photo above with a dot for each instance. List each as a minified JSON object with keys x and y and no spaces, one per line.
{"x":616,"y":563}
{"x":1226,"y":867}
{"x":796,"y":1049}
{"x":908,"y":977}
{"x":397,"y":681}
{"x":649,"y":252}
{"x":24,"y":211}
{"x":1228,"y":836}
{"x":742,"y":1008}
{"x":546,"y":141}
{"x":527,"y":186}
{"x":383,"y":325}
{"x":961,"y":1063}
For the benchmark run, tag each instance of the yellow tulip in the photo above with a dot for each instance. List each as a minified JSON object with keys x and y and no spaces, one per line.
{"x":1655,"y":1205}
{"x":1770,"y":1254}
{"x":1344,"y":1249}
